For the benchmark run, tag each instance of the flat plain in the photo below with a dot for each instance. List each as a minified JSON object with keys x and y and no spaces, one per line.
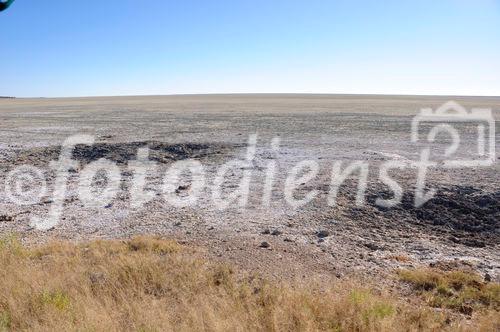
{"x":458,"y":227}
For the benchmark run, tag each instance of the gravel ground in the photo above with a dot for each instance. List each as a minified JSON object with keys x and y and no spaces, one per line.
{"x":460,"y":225}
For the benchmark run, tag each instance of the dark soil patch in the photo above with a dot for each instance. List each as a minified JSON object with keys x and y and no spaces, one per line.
{"x":457,"y":214}
{"x":469,"y":215}
{"x":122,"y":153}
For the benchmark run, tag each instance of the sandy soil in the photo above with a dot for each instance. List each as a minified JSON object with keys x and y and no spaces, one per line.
{"x":460,"y":225}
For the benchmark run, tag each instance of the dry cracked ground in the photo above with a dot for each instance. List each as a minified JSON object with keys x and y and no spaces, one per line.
{"x":458,"y":227}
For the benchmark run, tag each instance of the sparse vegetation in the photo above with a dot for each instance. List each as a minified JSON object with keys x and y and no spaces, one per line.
{"x":151,"y":284}
{"x":459,"y":290}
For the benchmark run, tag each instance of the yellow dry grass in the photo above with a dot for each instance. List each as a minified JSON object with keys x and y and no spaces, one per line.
{"x":459,"y":290}
{"x":151,"y":284}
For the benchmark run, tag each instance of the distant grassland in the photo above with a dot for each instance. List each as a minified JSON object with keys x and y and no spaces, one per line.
{"x":152,"y":284}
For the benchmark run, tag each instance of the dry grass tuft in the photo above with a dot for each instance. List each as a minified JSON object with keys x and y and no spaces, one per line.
{"x":151,"y":284}
{"x":459,"y":290}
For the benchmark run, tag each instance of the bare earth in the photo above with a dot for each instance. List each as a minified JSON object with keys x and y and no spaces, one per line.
{"x":460,"y":226}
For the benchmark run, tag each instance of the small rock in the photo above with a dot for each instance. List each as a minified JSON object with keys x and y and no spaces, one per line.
{"x":265,"y":244}
{"x":181,"y":188}
{"x":276,"y":232}
{"x":6,"y":218}
{"x":266,"y":231}
{"x":487,"y":277}
{"x":322,"y":234}
{"x":373,"y":246}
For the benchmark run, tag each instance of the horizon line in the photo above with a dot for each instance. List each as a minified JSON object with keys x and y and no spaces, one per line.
{"x":256,"y":93}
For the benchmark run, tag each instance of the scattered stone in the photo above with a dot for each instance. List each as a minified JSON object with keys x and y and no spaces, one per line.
{"x":288,"y":240}
{"x":276,"y":232}
{"x":4,"y":217}
{"x":373,"y":246}
{"x":487,"y":277}
{"x":265,"y":244}
{"x":181,"y":188}
{"x":322,"y":234}
{"x":266,"y":231}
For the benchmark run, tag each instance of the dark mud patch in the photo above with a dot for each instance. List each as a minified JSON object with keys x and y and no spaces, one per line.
{"x":457,"y":215}
{"x":122,"y":153}
{"x":465,"y":215}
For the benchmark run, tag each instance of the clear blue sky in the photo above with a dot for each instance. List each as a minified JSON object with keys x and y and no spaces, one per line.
{"x":83,"y":48}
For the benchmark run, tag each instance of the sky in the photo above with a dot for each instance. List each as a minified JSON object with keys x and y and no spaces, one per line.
{"x":61,"y":48}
